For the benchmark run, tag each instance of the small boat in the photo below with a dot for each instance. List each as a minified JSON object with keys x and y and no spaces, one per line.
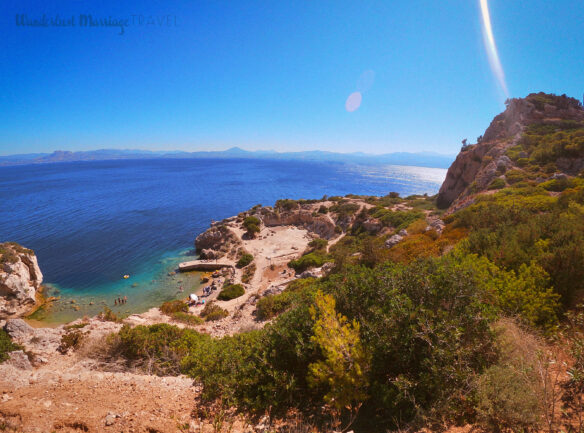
{"x":126,"y":277}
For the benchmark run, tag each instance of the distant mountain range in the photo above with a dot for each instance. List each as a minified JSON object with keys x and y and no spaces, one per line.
{"x":422,"y":159}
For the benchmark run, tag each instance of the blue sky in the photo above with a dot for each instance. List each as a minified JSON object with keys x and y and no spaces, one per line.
{"x":276,"y":74}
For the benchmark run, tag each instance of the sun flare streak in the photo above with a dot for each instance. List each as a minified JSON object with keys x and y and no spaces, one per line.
{"x":491,"y":47}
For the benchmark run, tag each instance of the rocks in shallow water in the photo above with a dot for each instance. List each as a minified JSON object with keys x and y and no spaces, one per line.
{"x":19,"y":360}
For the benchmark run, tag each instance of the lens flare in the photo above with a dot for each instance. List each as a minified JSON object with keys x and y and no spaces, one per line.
{"x":353,"y":102}
{"x":491,"y":47}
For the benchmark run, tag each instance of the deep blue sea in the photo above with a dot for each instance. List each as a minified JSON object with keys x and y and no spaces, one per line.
{"x":92,"y":222}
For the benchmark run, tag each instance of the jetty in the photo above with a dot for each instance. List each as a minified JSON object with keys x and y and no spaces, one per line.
{"x":203,"y":265}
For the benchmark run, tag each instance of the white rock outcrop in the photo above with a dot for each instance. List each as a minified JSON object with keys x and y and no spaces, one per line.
{"x":20,"y":278}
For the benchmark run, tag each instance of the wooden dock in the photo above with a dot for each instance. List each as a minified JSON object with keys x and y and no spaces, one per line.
{"x":203,"y":265}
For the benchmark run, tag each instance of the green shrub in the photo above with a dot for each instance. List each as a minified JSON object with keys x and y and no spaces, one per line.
{"x":298,"y":292}
{"x":514,"y":176}
{"x":109,"y":316}
{"x":252,"y":225}
{"x":175,"y":306}
{"x":286,"y":204}
{"x":6,"y":345}
{"x":397,"y":219}
{"x":71,"y":339}
{"x":157,"y":349}
{"x":213,"y":312}
{"x":248,"y":273}
{"x":231,"y":291}
{"x":318,"y":244}
{"x":344,"y":209}
{"x":186,"y":318}
{"x":497,"y":183}
{"x":244,"y":260}
{"x":506,"y":400}
{"x":312,"y":260}
{"x":323,"y":209}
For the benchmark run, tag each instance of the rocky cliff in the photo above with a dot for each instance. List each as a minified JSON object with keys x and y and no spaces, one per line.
{"x":477,"y":165}
{"x":20,"y":279}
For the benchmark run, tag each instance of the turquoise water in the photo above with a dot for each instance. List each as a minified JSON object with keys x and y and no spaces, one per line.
{"x":154,"y":282}
{"x":90,"y":223}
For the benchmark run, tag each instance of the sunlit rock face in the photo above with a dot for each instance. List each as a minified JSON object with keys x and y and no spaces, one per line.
{"x":20,"y":279}
{"x":477,"y":165}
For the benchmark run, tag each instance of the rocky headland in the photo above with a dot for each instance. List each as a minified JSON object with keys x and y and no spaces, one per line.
{"x":62,"y":379}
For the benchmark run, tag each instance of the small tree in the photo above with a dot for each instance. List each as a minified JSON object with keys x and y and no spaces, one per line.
{"x":252,"y":225}
{"x":346,"y":362}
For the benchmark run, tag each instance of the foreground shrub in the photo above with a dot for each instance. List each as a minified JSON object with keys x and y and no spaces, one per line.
{"x":345,"y":367}
{"x":157,"y":349}
{"x":231,"y":291}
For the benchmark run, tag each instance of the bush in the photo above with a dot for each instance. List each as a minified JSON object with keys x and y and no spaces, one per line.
{"x":344,"y":209}
{"x":157,"y":349}
{"x":231,"y":291}
{"x":175,"y":306}
{"x":323,"y":209}
{"x":244,"y":260}
{"x":186,"y":318}
{"x":318,"y":244}
{"x":252,"y":225}
{"x":397,"y":219}
{"x":298,"y":292}
{"x":71,"y":339}
{"x":248,"y":273}
{"x":506,"y":400}
{"x":108,"y":315}
{"x":6,"y":345}
{"x":213,"y":312}
{"x":497,"y":183}
{"x":311,"y":260}
{"x":286,"y":204}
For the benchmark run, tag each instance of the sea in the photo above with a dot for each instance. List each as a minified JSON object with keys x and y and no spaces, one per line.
{"x":91,"y":223}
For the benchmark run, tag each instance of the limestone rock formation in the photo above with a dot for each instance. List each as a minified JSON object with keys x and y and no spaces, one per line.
{"x":20,"y":279}
{"x":321,"y":225}
{"x":477,"y":165}
{"x":215,"y":242}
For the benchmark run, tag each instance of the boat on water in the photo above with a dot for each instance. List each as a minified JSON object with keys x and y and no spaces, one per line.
{"x":126,"y":277}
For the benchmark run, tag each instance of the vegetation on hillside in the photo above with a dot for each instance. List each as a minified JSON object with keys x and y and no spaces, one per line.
{"x":454,"y":324}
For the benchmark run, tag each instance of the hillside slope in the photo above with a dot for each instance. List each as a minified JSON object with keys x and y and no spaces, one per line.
{"x":513,"y":148}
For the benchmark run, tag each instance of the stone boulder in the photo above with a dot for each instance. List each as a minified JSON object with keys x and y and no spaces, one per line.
{"x":218,"y":239}
{"x":18,"y":359}
{"x":393,"y":241}
{"x":20,"y":279}
{"x":372,"y":225}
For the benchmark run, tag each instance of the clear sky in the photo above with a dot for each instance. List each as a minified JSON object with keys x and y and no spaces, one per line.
{"x":277,"y":74}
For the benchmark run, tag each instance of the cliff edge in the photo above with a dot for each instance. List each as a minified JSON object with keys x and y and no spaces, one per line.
{"x":20,"y":279}
{"x":478,"y":165}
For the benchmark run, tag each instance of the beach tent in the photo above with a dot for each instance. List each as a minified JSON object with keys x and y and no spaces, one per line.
{"x":193,"y":297}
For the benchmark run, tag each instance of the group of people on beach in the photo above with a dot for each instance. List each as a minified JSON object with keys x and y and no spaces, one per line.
{"x":120,"y":301}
